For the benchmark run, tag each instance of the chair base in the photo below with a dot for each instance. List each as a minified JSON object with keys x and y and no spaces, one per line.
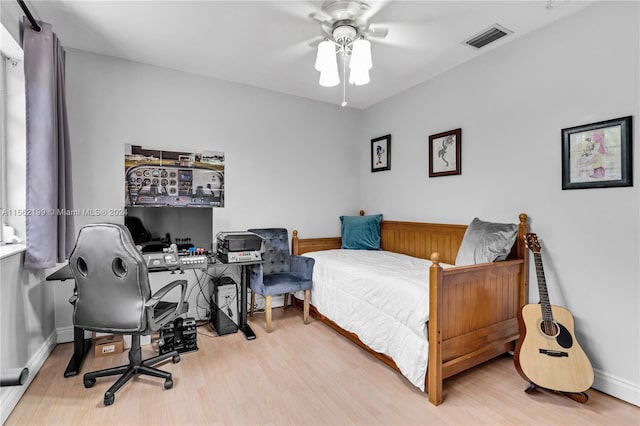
{"x":136,"y":366}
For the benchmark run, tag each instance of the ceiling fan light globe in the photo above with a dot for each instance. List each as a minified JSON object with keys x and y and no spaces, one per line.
{"x":361,"y":55}
{"x":329,"y":78}
{"x":326,"y":56}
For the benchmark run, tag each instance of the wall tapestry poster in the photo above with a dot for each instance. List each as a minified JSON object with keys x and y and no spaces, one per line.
{"x":597,"y":155}
{"x":160,"y":178}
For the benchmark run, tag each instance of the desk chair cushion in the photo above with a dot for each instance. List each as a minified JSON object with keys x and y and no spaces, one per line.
{"x":278,"y":283}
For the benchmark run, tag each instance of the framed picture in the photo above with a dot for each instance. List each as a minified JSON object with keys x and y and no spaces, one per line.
{"x":381,"y":153}
{"x":444,"y":153}
{"x":597,"y":155}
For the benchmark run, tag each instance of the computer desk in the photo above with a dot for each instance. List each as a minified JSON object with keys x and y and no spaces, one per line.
{"x":80,"y":345}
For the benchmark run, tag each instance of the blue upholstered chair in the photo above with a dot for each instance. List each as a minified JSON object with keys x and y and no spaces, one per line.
{"x":113,"y":296}
{"x":281,"y":272}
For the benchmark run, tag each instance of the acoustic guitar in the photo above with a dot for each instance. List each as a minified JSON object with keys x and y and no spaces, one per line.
{"x":547,"y":353}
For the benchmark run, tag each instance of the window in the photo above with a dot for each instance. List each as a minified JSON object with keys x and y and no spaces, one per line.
{"x":3,"y":166}
{"x":13,"y":134}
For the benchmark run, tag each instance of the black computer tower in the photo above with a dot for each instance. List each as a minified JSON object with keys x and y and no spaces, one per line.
{"x":224,"y":306}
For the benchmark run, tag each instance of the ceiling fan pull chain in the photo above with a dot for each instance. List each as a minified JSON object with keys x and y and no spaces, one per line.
{"x":344,"y":81}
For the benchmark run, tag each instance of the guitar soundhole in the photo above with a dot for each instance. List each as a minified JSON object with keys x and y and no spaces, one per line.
{"x":549,"y":328}
{"x":559,"y":331}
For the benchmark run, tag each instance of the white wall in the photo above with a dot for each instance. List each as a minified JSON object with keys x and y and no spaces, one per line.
{"x":511,"y":105}
{"x":290,"y":162}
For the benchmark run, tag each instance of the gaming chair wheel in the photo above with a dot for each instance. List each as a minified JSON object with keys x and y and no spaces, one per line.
{"x":168,"y":384}
{"x":176,"y":359}
{"x":109,"y":398}
{"x":88,"y":382}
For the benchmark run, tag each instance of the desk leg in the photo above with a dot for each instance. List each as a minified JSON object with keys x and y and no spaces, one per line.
{"x":80,"y":348}
{"x":244,"y":326}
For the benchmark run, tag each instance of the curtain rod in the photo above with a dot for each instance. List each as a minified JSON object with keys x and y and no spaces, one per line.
{"x":25,"y":9}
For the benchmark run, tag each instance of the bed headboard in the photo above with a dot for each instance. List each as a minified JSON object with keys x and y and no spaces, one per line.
{"x":417,"y":239}
{"x":420,"y":239}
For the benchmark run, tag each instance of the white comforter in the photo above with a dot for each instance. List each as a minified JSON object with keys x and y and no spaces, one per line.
{"x":382,"y":297}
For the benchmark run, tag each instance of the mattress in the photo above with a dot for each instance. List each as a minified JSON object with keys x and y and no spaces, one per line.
{"x":382,"y":297}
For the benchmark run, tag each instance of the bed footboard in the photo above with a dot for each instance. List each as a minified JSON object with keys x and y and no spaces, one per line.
{"x":472,"y":317}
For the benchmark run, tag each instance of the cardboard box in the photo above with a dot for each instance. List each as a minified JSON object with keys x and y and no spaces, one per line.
{"x":108,"y":345}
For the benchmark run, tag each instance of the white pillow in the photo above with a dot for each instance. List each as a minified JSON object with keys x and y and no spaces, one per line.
{"x":486,"y":242}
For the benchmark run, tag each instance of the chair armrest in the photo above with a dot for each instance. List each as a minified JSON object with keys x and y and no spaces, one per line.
{"x":302,"y":265}
{"x":157,"y":297}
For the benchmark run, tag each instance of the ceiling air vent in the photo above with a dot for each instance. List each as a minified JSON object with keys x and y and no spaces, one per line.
{"x":487,"y":36}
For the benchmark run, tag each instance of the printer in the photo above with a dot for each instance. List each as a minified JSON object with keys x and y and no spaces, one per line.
{"x":242,"y":246}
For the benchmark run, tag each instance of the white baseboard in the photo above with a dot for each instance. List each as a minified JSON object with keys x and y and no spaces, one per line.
{"x":11,"y":394}
{"x":617,"y":387}
{"x":65,"y":334}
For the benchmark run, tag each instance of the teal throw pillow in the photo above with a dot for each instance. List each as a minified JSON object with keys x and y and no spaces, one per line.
{"x":361,"y":232}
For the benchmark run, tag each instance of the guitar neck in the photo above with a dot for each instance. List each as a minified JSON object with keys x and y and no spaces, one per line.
{"x":542,"y":288}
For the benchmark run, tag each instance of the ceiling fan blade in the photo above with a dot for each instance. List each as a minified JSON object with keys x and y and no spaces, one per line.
{"x":373,"y":9}
{"x":320,"y":16}
{"x":356,"y":9}
{"x":377,"y":32}
{"x":314,"y":42}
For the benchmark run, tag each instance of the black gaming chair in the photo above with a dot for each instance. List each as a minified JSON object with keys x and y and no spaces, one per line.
{"x":113,"y":296}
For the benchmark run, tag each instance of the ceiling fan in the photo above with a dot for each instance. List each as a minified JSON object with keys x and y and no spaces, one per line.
{"x":336,"y":14}
{"x":345,"y":32}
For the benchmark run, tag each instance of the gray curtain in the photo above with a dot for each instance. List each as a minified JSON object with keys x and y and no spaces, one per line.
{"x":49,"y":232}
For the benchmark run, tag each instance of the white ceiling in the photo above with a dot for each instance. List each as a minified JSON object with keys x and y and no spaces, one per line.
{"x":265,"y":43}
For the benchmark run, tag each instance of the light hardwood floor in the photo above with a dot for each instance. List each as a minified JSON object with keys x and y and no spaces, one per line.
{"x":297,"y":375}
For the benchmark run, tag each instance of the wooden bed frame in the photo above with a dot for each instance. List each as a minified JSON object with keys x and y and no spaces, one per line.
{"x":472,"y":309}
